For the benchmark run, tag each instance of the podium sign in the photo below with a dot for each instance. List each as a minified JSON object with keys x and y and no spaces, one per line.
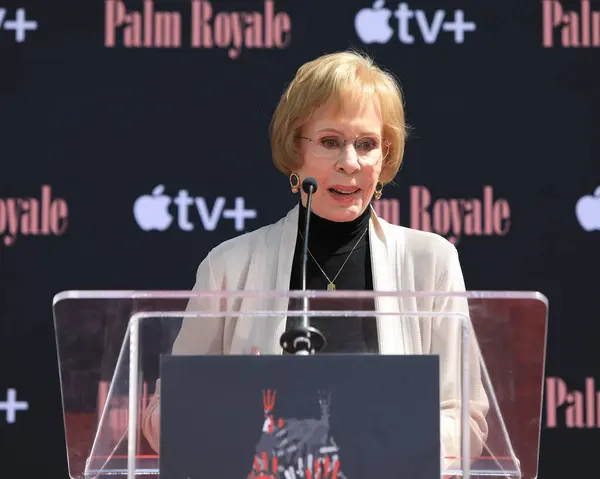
{"x":328,"y":416}
{"x":483,"y":420}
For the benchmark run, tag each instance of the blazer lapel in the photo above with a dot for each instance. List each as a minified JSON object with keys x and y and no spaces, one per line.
{"x":267,"y":275}
{"x":385,"y":263}
{"x":285,"y":256}
{"x":287,"y":245}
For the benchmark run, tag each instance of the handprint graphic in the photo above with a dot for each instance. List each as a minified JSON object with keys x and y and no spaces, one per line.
{"x":264,"y":468}
{"x":320,"y":468}
{"x":296,"y":448}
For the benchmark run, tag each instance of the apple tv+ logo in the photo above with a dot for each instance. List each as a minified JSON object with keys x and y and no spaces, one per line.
{"x":151,"y":212}
{"x":373,"y":24}
{"x":587,"y":211}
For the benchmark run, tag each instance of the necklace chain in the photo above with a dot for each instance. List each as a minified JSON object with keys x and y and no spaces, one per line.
{"x":331,"y":285}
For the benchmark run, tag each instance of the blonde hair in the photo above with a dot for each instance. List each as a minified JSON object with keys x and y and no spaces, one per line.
{"x":345,"y":80}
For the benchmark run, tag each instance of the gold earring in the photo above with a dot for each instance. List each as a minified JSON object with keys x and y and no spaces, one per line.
{"x":378,"y":190}
{"x":294,"y":182}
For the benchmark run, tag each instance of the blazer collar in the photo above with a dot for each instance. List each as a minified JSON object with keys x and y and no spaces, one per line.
{"x":386,"y":258}
{"x":383,"y":259}
{"x":383,"y":253}
{"x":289,"y":233}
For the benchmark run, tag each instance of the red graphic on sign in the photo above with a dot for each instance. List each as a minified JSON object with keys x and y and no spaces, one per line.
{"x":295,"y":447}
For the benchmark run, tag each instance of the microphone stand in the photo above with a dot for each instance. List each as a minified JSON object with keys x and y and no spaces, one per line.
{"x":304,"y":340}
{"x":305,"y":320}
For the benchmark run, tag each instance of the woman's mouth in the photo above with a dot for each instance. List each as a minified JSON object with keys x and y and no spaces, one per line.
{"x":344,"y":192}
{"x":345,"y":195}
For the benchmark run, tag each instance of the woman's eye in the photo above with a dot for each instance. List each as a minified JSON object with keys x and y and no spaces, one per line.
{"x":330,"y":142}
{"x":367,"y":144}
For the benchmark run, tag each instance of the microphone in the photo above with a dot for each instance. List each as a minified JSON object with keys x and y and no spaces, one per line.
{"x":309,"y":186}
{"x":304,"y":340}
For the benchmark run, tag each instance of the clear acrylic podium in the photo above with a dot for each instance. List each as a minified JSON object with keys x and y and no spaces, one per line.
{"x":491,"y":346}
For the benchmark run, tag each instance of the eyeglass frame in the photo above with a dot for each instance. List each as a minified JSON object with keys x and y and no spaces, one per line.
{"x":345,"y":142}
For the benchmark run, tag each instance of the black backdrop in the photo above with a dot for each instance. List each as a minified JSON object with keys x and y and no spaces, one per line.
{"x":507,"y":111}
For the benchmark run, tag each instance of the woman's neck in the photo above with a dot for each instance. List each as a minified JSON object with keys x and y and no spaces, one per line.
{"x":332,"y":237}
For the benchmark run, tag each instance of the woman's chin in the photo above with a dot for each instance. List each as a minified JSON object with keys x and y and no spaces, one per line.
{"x":341,"y":214}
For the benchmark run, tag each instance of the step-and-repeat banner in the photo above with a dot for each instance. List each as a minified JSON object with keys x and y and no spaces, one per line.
{"x":134,"y":138}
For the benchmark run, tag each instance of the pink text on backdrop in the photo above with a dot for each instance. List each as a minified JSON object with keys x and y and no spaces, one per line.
{"x":453,"y":217}
{"x":575,"y":408}
{"x":233,"y":31}
{"x":145,"y":29}
{"x":578,"y":29}
{"x":457,"y":217}
{"x":42,"y":216}
{"x":236,"y":30}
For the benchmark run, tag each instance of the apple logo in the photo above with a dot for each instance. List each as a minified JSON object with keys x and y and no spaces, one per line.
{"x":151,"y":212}
{"x":372,"y":24}
{"x":588,"y":211}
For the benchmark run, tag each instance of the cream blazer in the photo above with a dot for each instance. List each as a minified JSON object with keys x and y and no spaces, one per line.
{"x":403,"y":260}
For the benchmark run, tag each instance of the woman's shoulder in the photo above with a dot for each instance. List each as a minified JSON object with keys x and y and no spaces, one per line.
{"x":417,"y":241}
{"x":432,"y":258}
{"x":231,"y":259}
{"x":414,"y":239}
{"x":247,"y":241}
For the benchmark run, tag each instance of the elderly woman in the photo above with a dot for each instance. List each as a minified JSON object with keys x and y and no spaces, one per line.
{"x":340,"y":121}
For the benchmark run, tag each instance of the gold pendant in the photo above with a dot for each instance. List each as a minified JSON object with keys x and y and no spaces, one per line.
{"x":330,"y":287}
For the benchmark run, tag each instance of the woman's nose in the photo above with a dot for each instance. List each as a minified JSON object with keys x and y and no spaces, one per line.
{"x":349,"y":158}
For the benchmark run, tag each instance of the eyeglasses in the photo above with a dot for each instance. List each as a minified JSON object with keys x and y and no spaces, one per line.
{"x":367,"y":148}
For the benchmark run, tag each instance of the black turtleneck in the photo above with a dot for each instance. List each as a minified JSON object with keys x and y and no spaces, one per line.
{"x":330,"y":243}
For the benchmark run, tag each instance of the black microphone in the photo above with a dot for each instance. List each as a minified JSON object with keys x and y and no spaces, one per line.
{"x":309,"y":186}
{"x":304,"y":340}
